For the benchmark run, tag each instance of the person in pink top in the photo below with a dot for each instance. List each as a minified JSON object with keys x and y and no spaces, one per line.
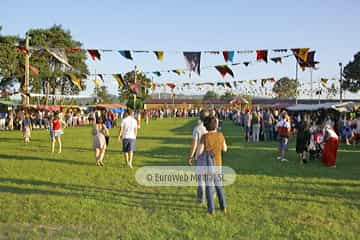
{"x":56,"y":128}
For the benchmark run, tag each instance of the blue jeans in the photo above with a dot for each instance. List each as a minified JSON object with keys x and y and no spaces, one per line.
{"x":200,"y":189}
{"x":215,"y":183}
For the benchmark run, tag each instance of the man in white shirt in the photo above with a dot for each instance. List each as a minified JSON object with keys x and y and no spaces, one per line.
{"x":127,"y":135}
{"x":198,"y":132}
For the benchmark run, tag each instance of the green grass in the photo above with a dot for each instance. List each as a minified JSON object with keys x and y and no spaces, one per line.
{"x":52,"y":196}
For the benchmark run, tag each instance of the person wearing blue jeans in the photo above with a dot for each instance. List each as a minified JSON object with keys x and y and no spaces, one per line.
{"x":215,"y":183}
{"x":212,"y":144}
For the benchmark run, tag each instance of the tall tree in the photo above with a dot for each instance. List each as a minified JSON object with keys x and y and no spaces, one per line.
{"x":51,"y":71}
{"x":351,"y":74}
{"x":227,"y":96}
{"x":286,"y":88}
{"x":130,"y":89}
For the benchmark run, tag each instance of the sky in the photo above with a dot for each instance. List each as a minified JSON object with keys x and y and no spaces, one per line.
{"x":328,"y":27}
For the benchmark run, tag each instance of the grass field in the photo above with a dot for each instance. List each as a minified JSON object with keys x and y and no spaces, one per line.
{"x":53,"y":196}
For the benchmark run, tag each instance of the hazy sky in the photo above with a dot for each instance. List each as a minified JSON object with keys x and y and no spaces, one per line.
{"x":329,"y":27}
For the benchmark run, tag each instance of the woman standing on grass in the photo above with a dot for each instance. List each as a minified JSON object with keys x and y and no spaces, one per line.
{"x":214,"y":143}
{"x":331,"y":143}
{"x":57,"y":131}
{"x":26,"y":128}
{"x":302,"y":140}
{"x":99,"y":142}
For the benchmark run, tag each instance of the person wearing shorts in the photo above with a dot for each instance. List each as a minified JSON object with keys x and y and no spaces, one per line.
{"x":283,"y":129}
{"x":127,"y":136}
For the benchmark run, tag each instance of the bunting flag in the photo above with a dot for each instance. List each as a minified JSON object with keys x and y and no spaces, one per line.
{"x":245,"y":51}
{"x":179,"y":72}
{"x":262,"y":55}
{"x":153,"y":86}
{"x":157,"y":73}
{"x":246,"y":63}
{"x":276,"y":59}
{"x":34,"y":69}
{"x":224,"y":69}
{"x":263,"y":81}
{"x":228,"y":56}
{"x":324,"y":82}
{"x":220,"y":84}
{"x":97,"y":83}
{"x":95,"y":54}
{"x":228,"y":85}
{"x":121,"y":82}
{"x":171,"y":86}
{"x":301,"y":55}
{"x":101,"y":77}
{"x":60,"y":55}
{"x":213,"y":52}
{"x":159,"y":55}
{"x":318,"y":92}
{"x":134,"y":87}
{"x":22,"y":50}
{"x":253,"y":82}
{"x":192,"y":60}
{"x":126,"y":54}
{"x":75,"y":80}
{"x":310,"y":60}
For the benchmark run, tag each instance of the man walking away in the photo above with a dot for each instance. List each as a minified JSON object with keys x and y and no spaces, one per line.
{"x":127,"y":135}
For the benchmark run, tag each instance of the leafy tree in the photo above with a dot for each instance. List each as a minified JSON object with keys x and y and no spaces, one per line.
{"x":126,"y":93}
{"x":103,"y":94}
{"x":351,"y":74}
{"x":286,"y":88}
{"x":209,"y":95}
{"x":228,"y":96}
{"x":51,"y":71}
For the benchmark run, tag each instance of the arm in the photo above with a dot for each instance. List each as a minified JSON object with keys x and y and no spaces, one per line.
{"x":120,"y":133}
{"x":224,"y":147}
{"x":192,"y":151}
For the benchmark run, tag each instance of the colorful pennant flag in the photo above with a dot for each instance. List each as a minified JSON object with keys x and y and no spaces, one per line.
{"x":34,"y":69}
{"x":228,"y":56}
{"x":224,"y":69}
{"x":246,"y":63}
{"x":126,"y":54}
{"x":159,"y":55}
{"x":192,"y":60}
{"x":97,"y":83}
{"x":262,"y":55}
{"x":101,"y":77}
{"x":171,"y":86}
{"x":276,"y":59}
{"x":60,"y":55}
{"x":324,"y":82}
{"x":121,"y":82}
{"x":157,"y":73}
{"x":179,"y":72}
{"x":75,"y":80}
{"x":95,"y":54}
{"x":280,"y":50}
{"x":228,"y":85}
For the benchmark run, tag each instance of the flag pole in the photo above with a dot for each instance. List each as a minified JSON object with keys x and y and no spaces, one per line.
{"x":26,"y":99}
{"x":311,"y":83}
{"x":134,"y":83}
{"x":296,"y":78}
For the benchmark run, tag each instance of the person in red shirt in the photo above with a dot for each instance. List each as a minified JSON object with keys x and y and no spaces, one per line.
{"x":56,"y":126}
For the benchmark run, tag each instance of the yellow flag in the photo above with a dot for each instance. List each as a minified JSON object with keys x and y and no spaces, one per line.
{"x":303,"y":54}
{"x":159,"y":55}
{"x":75,"y":80}
{"x":97,"y":83}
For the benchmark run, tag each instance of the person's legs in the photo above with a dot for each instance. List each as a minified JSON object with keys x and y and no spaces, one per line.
{"x":97,"y":156}
{"x":126,"y":157}
{"x":253,"y":133}
{"x":59,"y":142}
{"x":131,"y":154}
{"x":200,"y":189}
{"x":52,"y":144}
{"x":220,"y":193}
{"x":209,"y":190}
{"x":101,"y":155}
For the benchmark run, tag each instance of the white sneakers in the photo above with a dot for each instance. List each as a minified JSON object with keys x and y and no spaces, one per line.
{"x":282,"y":159}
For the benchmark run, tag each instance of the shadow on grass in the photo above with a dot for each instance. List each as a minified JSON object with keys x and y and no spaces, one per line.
{"x":5,"y":157}
{"x":134,"y":198}
{"x":17,"y":139}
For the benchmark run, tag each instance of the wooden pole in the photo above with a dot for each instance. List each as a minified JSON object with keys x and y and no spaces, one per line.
{"x":134,"y":83}
{"x":26,"y":99}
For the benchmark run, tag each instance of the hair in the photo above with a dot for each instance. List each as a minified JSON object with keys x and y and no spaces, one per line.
{"x":129,"y":112}
{"x":210,"y":123}
{"x":99,"y":121}
{"x":204,"y":114}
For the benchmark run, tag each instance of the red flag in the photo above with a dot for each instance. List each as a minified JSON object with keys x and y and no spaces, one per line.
{"x":95,"y":54}
{"x":171,"y":86}
{"x":34,"y":70}
{"x":22,"y":49}
{"x":262,"y":55}
{"x":224,"y":69}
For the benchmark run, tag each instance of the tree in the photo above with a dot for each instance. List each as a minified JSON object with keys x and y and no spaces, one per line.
{"x":130,"y":89}
{"x":286,"y":88}
{"x":209,"y":95}
{"x":51,"y":71}
{"x":228,"y":96}
{"x":351,"y":74}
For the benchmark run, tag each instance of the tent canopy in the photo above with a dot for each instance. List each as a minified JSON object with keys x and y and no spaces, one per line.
{"x":340,"y":107}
